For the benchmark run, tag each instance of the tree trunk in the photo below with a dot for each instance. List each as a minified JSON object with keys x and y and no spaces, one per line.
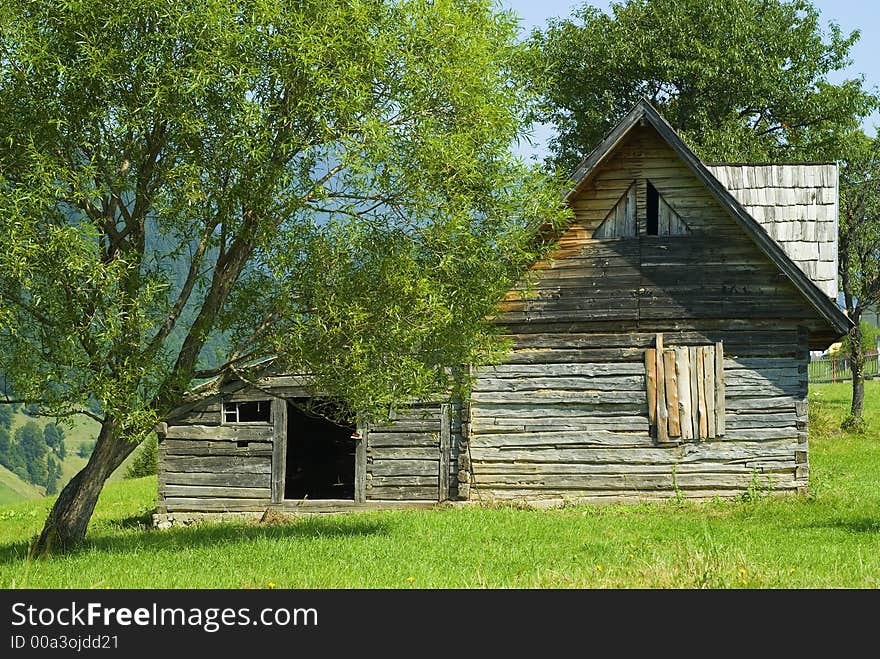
{"x":857,"y":367}
{"x":67,"y":522}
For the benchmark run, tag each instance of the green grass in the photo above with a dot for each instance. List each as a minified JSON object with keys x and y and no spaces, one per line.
{"x":828,"y":539}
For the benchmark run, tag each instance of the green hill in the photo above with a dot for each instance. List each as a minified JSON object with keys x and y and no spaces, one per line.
{"x":83,"y":431}
{"x":13,"y":489}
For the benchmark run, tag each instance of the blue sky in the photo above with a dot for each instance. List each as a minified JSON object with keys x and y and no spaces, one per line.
{"x":863,"y":15}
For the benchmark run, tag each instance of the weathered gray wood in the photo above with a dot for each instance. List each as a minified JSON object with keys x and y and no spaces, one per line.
{"x":257,"y":432}
{"x":671,"y":388}
{"x":683,"y":379}
{"x":445,"y":450}
{"x":409,"y":481}
{"x":189,"y":504}
{"x":408,"y":452}
{"x":620,"y":383}
{"x":406,"y":468}
{"x":360,"y":463}
{"x":214,"y":492}
{"x":563,"y":370}
{"x":562,"y":438}
{"x":489,"y":425}
{"x":398,"y":492}
{"x":263,"y":481}
{"x":563,"y":396}
{"x":205,"y":447}
{"x":219,"y":465}
{"x":405,"y":439}
{"x":711,"y":394}
{"x":662,"y":412}
{"x":651,"y":384}
{"x":279,"y":453}
{"x":703,"y":422}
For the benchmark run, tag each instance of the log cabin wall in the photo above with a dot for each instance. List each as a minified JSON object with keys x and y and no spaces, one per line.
{"x":567,"y":414}
{"x":206,"y":465}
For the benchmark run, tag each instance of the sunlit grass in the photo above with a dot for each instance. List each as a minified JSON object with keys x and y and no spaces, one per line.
{"x":828,"y":539}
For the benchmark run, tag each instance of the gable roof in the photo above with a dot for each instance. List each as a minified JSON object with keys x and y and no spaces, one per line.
{"x":644,"y":113}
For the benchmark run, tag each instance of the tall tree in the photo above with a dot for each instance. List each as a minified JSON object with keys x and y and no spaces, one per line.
{"x":740,"y":80}
{"x":332,"y":179}
{"x":32,"y":445}
{"x":859,"y":254}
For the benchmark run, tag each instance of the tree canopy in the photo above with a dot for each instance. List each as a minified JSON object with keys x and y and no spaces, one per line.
{"x":741,"y":80}
{"x":325,"y":183}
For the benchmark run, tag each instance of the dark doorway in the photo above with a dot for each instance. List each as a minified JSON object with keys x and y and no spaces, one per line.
{"x":320,"y":455}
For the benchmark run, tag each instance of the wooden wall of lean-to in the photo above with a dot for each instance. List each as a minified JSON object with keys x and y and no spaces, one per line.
{"x":208,"y":467}
{"x":566,"y":414}
{"x":404,"y":457}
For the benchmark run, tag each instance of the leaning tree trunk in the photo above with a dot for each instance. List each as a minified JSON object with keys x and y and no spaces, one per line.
{"x":857,"y":368}
{"x":67,"y":522}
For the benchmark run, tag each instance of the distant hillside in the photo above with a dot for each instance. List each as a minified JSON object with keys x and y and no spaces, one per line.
{"x":84,"y":431}
{"x":13,"y":489}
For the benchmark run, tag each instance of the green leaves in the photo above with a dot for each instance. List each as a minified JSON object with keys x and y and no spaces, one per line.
{"x":742,"y":80}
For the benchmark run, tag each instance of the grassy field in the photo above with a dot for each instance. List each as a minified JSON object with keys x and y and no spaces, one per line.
{"x":828,"y":539}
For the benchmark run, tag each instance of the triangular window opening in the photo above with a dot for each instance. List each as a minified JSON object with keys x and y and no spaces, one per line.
{"x":621,"y":221}
{"x":660,"y":218}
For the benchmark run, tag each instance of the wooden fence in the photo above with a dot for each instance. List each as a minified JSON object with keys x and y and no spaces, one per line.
{"x":835,"y":368}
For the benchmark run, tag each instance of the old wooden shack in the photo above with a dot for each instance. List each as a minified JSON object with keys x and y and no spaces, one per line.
{"x":661,"y":349}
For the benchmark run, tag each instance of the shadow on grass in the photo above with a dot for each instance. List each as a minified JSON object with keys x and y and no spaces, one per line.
{"x":860,"y":525}
{"x":139,"y":534}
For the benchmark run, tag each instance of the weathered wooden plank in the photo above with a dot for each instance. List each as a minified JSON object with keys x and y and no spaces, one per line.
{"x":360,"y":463}
{"x":279,"y":453}
{"x":404,"y":481}
{"x":219,"y":465}
{"x":399,"y":492}
{"x":640,"y":482}
{"x":651,"y":384}
{"x":215,"y":491}
{"x":620,"y":383}
{"x":671,"y":388}
{"x":662,"y":411}
{"x":587,"y":470}
{"x":557,"y":409}
{"x":205,"y":447}
{"x":576,"y":438}
{"x":418,"y":426}
{"x":488,"y":425}
{"x":752,"y":420}
{"x":721,"y":452}
{"x":404,"y":453}
{"x":406,"y":468}
{"x":256,"y":432}
{"x":683,"y":378}
{"x":445,"y":450}
{"x":709,"y":367}
{"x":562,"y":396}
{"x":404,"y":439}
{"x":701,"y":395}
{"x":565,"y":370}
{"x":189,"y":504}
{"x":262,"y":481}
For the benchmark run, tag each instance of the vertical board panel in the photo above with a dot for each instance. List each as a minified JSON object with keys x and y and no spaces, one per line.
{"x":683,"y":374}
{"x":671,"y":388}
{"x":719,"y":390}
{"x":279,"y":447}
{"x":445,"y":446}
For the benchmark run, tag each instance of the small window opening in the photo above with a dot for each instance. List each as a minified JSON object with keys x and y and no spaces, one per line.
{"x":247,"y":412}
{"x":653,"y":211}
{"x":242,"y":444}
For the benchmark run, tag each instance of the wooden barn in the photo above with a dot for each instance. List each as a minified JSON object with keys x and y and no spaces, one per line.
{"x":660,"y":350}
